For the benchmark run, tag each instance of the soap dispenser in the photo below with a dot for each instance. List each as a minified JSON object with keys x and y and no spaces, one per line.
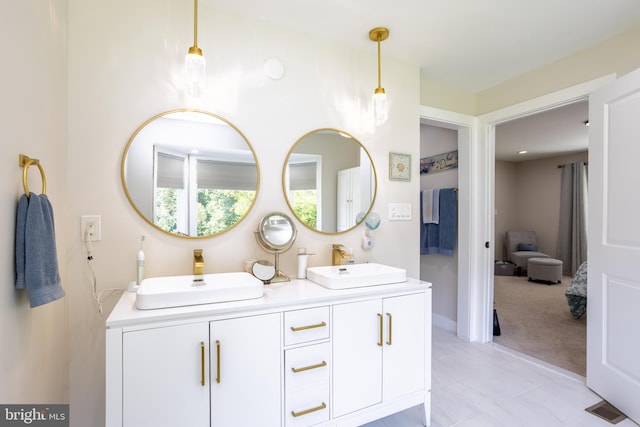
{"x":302,"y":263}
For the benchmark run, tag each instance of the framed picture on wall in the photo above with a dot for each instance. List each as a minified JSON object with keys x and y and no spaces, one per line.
{"x":399,"y":167}
{"x":439,"y":162}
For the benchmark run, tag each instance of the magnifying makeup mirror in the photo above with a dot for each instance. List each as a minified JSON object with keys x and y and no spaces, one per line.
{"x":276,"y":234}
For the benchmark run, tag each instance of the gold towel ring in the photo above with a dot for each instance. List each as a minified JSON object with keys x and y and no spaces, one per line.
{"x":25,"y":162}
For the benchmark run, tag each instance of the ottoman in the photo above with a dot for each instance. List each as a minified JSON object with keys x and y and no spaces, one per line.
{"x":545,"y":269}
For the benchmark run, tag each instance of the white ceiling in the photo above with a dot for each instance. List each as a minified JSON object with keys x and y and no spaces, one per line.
{"x":468,"y":44}
{"x":548,"y":134}
{"x":472,"y":45}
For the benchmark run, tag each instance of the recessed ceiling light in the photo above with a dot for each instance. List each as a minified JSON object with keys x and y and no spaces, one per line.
{"x":522,"y":152}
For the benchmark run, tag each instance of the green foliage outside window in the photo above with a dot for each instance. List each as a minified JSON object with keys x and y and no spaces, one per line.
{"x":306,"y":206}
{"x":221,"y":209}
{"x":167,"y":209}
{"x":217,"y":210}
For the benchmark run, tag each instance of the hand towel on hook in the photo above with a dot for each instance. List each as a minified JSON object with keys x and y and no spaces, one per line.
{"x":36,"y":255}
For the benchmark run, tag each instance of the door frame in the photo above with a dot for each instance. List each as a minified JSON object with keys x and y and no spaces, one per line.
{"x":487,"y":125}
{"x":476,"y":199}
{"x":469,"y":232}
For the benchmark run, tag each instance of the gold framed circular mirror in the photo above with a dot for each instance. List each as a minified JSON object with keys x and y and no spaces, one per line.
{"x":328,"y":179}
{"x":190,"y":173}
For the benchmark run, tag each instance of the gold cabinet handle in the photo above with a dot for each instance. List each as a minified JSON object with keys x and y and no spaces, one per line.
{"x":307,"y":368}
{"x":308,"y":411}
{"x":304,"y":328}
{"x":202,"y":360}
{"x":380,"y":340}
{"x":390,"y":328}
{"x":218,"y":361}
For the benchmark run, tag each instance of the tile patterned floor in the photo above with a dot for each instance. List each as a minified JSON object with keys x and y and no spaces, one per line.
{"x":486,"y":385}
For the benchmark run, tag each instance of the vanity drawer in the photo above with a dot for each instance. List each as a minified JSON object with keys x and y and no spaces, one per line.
{"x":308,"y":365}
{"x":306,"y":325}
{"x":307,"y":384}
{"x":307,"y":406}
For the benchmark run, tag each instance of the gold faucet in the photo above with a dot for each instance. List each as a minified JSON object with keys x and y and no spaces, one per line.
{"x":198,"y":262}
{"x":338,"y":253}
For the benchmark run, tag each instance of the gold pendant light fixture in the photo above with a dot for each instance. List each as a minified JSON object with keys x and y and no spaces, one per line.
{"x":194,"y":64}
{"x":380,"y":109}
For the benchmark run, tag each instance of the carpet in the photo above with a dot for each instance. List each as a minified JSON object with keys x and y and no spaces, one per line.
{"x":535,"y":320}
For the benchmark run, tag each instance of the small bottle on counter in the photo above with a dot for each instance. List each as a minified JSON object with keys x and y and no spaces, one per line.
{"x":140,"y":264}
{"x":302,"y":263}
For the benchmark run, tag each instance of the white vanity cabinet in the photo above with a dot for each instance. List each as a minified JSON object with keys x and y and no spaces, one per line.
{"x":302,"y":355}
{"x":378,"y":351}
{"x":168,"y":365}
{"x":220,"y":373}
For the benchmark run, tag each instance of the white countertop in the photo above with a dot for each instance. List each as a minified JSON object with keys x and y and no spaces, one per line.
{"x":276,"y":295}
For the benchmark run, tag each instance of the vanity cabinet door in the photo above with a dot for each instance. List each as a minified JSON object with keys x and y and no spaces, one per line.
{"x":378,"y":351}
{"x":165,"y":376}
{"x":246,"y":371}
{"x":357,"y":357}
{"x":404,"y":345}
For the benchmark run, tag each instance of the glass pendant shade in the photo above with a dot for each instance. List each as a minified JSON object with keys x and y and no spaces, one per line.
{"x":195,"y":73}
{"x":380,"y":109}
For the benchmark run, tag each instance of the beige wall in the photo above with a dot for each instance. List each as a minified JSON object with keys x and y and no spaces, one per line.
{"x":441,"y":271}
{"x":528,"y":198}
{"x":34,"y":353}
{"x":506,"y":211}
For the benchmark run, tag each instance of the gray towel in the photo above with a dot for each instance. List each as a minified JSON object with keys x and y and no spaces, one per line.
{"x":36,"y":257}
{"x":441,"y":238}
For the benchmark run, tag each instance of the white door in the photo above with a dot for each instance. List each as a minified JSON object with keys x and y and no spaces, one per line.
{"x":613,"y":337}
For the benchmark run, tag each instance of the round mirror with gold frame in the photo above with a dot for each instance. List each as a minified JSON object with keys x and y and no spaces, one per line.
{"x":190,"y":173}
{"x":328,"y":179}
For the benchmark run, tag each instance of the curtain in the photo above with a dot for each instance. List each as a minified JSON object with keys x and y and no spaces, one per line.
{"x":572,"y":232}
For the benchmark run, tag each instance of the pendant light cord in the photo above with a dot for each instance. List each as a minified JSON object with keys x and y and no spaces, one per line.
{"x":195,"y":23}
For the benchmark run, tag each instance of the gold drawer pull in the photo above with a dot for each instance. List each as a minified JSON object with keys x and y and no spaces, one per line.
{"x":218,"y":361}
{"x":308,"y":411}
{"x":381,"y":321}
{"x":304,"y":328}
{"x":202,"y":359}
{"x":307,"y":368}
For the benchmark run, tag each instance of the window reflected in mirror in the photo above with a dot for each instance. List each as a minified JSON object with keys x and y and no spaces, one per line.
{"x":190,"y":173}
{"x":328,"y":179}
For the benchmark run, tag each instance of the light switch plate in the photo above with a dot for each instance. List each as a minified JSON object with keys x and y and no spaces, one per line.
{"x":399,"y":211}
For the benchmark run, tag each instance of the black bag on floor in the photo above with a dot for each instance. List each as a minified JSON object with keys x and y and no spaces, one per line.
{"x":496,"y":324}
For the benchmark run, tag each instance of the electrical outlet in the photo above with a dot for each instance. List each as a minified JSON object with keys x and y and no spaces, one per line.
{"x":90,"y":224}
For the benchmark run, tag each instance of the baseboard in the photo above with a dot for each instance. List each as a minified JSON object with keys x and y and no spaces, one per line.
{"x":444,"y":323}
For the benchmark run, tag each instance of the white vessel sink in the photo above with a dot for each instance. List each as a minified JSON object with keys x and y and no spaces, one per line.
{"x":178,"y":291}
{"x":355,"y":275}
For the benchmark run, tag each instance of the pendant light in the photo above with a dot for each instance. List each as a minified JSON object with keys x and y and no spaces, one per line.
{"x":380,"y":111}
{"x":194,"y":64}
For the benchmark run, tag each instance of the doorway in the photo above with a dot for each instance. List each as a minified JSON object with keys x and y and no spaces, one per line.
{"x":476,"y":142}
{"x":534,"y":317}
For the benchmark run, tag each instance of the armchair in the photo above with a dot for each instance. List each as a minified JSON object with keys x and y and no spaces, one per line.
{"x":520,"y":246}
